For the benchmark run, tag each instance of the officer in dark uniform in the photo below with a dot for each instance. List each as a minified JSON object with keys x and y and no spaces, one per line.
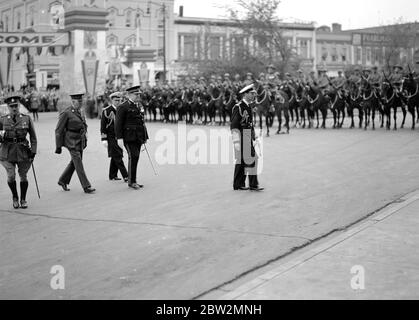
{"x":15,"y":149}
{"x":244,"y":140}
{"x":107,"y":130}
{"x":131,"y":131}
{"x":71,"y":133}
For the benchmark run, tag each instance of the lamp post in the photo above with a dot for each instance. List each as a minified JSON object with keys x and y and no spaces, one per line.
{"x":163,"y":10}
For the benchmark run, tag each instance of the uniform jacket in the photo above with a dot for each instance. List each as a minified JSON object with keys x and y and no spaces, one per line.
{"x":18,"y":150}
{"x":107,"y":130}
{"x":129,"y":123}
{"x":242,"y":129}
{"x":71,"y":130}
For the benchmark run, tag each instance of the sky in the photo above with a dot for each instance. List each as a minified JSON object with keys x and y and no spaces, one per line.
{"x":352,"y":14}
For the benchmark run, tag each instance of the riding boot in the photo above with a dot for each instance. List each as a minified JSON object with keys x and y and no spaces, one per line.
{"x":23,"y":189}
{"x":13,"y":188}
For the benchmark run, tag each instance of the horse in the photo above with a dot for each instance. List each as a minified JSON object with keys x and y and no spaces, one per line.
{"x":293,"y":104}
{"x":392,"y":100}
{"x":188,"y":101}
{"x":370,"y":103}
{"x":353,"y":102}
{"x":229,"y":100}
{"x":281,"y":103}
{"x":263,"y":107}
{"x":318,"y":103}
{"x":216,"y":103}
{"x":337,"y":106}
{"x":303,"y":104}
{"x":410,"y":89}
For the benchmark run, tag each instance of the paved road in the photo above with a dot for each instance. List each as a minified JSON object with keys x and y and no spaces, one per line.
{"x":187,"y":232}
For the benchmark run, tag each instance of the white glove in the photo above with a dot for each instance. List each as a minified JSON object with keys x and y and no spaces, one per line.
{"x":2,"y":133}
{"x":237,"y":146}
{"x":121,"y":143}
{"x":105,"y":143}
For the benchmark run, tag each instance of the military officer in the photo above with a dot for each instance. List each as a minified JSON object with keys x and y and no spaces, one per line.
{"x":323,"y":81}
{"x":355,"y":78}
{"x":71,"y":133}
{"x":15,"y":150}
{"x":244,"y":140}
{"x":107,"y":130}
{"x":396,"y":77}
{"x":375,"y":78}
{"x":131,"y":131}
{"x":271,"y":77}
{"x":338,"y":82}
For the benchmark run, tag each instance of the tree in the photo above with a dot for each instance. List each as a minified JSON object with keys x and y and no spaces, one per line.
{"x":398,"y":39}
{"x":267,"y":44}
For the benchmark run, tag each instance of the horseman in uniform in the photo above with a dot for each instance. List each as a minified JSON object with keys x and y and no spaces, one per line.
{"x":107,"y":130}
{"x":271,"y":76}
{"x":15,"y":150}
{"x":323,"y":82}
{"x":396,"y":78}
{"x":249,"y":79}
{"x":301,"y":77}
{"x":244,"y":140}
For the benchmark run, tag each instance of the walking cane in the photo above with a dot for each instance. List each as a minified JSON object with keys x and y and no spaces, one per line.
{"x":36,"y":181}
{"x":149,"y":158}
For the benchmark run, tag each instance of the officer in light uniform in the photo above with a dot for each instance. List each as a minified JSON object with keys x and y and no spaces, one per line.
{"x":15,"y":149}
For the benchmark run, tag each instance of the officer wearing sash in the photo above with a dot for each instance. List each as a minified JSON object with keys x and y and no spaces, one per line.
{"x":107,"y":130}
{"x":244,"y":140}
{"x":15,"y":150}
{"x":131,"y":131}
{"x":71,"y":132}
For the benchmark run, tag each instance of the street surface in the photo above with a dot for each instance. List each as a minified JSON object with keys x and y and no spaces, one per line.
{"x":187,"y":232}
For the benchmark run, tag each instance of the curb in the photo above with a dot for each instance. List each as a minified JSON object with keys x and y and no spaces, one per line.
{"x":402,"y":202}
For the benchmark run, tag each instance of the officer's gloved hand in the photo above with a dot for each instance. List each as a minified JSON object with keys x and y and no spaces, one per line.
{"x":58,"y":151}
{"x":105,"y":143}
{"x":237,"y":146}
{"x":121,"y":143}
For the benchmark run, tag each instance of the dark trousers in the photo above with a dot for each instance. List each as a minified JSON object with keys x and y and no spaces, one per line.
{"x":117,"y":164}
{"x":76,"y":163}
{"x":133,"y":150}
{"x":240,"y":177}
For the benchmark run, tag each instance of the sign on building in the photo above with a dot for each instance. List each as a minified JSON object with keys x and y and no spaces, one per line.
{"x":21,"y":39}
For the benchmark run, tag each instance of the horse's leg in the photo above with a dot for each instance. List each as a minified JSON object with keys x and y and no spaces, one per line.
{"x":404,"y":115}
{"x":395,"y":117}
{"x":412,"y":111}
{"x":324,"y":115}
{"x":335,"y":117}
{"x":297,"y":114}
{"x":303,"y":118}
{"x":317,"y":117}
{"x":287,"y":120}
{"x":267,"y":121}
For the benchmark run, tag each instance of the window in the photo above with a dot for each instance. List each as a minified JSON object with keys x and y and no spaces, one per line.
{"x":215,"y":47}
{"x":6,"y":23}
{"x":18,"y":20}
{"x":368,"y":55}
{"x":344,"y":54}
{"x":112,"y":17}
{"x":237,"y":47}
{"x":30,"y":16}
{"x":358,"y":55}
{"x":128,"y":19}
{"x":130,"y":42}
{"x":304,"y":49}
{"x":334,"y":54}
{"x":189,"y":47}
{"x":324,"y":53}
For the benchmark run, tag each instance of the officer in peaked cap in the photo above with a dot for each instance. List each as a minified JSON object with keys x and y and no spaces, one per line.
{"x":15,"y":149}
{"x":71,"y":132}
{"x":244,"y":141}
{"x":131,"y":131}
{"x":107,"y":130}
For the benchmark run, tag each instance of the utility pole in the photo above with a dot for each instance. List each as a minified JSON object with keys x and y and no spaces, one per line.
{"x":164,"y":42}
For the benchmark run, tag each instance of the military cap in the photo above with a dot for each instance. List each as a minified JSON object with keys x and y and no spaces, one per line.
{"x":202,"y":78}
{"x":115,"y":95}
{"x":249,"y":74}
{"x":247,"y":89}
{"x":134,"y":89}
{"x":300,"y":71}
{"x":13,"y":100}
{"x":77,"y":96}
{"x":398,"y":66}
{"x":227,"y":75}
{"x":339,"y":71}
{"x":288,"y":74}
{"x":357,"y":69}
{"x":219,"y":77}
{"x":374,"y":67}
{"x":271,"y":66}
